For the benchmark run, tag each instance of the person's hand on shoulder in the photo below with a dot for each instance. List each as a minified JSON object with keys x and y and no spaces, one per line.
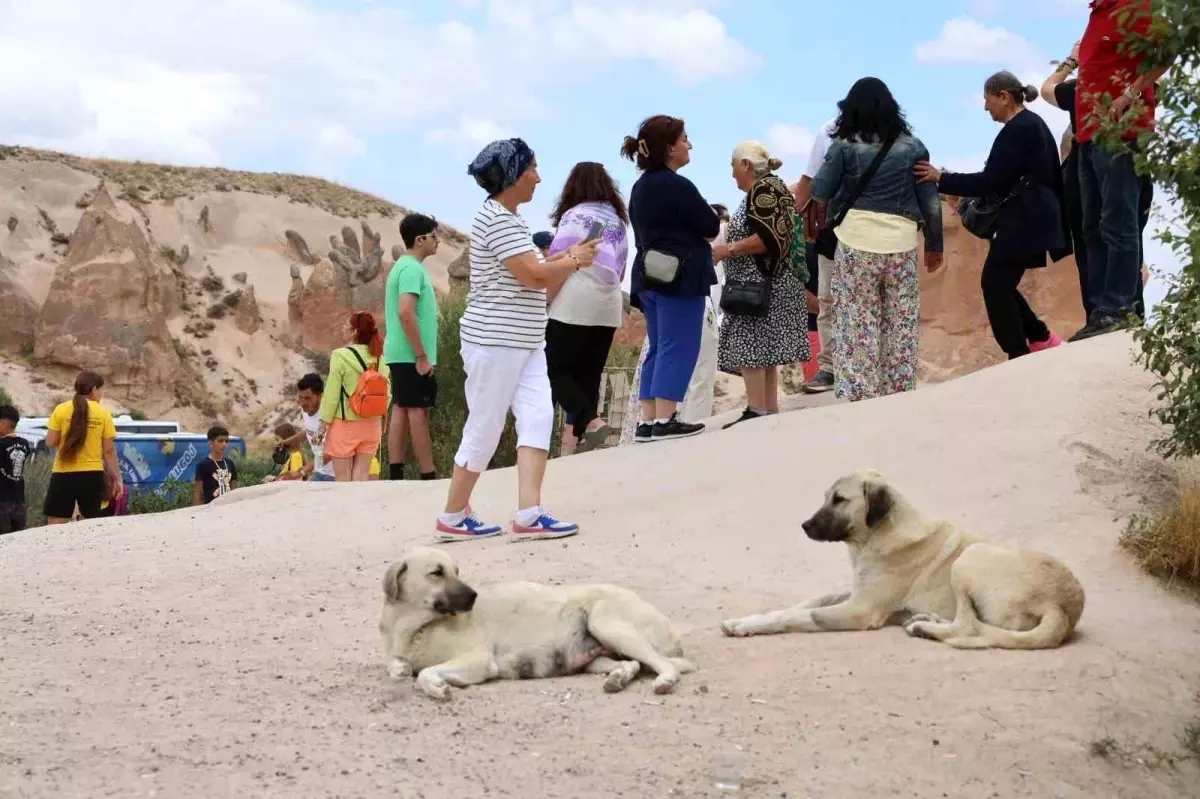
{"x":927,"y":173}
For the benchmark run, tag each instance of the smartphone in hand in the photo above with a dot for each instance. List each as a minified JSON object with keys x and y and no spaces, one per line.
{"x":596,"y":231}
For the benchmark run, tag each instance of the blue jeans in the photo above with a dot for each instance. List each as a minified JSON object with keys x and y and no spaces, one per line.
{"x":673,"y":326}
{"x":1110,"y":192}
{"x":317,"y":477}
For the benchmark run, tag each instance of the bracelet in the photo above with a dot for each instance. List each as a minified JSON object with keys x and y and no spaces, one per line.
{"x":1070,"y":63}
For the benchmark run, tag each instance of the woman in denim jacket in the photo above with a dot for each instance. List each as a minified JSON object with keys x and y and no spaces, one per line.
{"x":874,"y":286}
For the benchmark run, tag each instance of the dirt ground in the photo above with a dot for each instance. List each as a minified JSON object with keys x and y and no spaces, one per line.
{"x":234,"y":651}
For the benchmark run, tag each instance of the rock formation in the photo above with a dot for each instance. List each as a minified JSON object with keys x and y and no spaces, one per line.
{"x":298,"y":248}
{"x":327,"y":301}
{"x":295,"y":302}
{"x":459,"y":269}
{"x":360,"y":263}
{"x":107,"y":307}
{"x":248,"y":318}
{"x":18,"y":310}
{"x":397,"y":252}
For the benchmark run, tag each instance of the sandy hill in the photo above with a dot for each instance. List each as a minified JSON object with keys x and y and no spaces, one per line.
{"x":199,"y":293}
{"x":234,"y":650}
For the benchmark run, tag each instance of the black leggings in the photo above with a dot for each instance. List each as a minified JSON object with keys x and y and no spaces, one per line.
{"x":575,"y":358}
{"x":1014,"y":324}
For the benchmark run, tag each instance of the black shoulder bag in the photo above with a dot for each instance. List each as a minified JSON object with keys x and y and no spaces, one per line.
{"x":826,"y":244}
{"x":981,"y":215}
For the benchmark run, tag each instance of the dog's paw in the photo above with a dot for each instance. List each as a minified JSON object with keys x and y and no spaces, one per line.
{"x":932,"y":618}
{"x":433,"y":686}
{"x":615,"y":682}
{"x":665,"y":685}
{"x":920,"y":629}
{"x":399,"y":669}
{"x":736,"y":628}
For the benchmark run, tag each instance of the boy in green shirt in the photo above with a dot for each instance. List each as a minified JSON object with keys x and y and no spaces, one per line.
{"x":410,"y":347}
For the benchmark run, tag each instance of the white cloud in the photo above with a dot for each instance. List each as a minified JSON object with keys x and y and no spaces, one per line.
{"x":336,"y":142}
{"x":195,"y":80}
{"x":790,"y":143}
{"x":470,"y":131}
{"x":966,"y":40}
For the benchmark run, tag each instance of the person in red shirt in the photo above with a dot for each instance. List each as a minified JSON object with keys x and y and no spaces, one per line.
{"x":1109,"y":185}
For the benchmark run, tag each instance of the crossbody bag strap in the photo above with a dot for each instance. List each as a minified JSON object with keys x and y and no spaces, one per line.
{"x":342,"y":388}
{"x":861,"y":186}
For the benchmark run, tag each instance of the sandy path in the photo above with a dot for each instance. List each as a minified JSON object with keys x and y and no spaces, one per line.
{"x":234,"y":651}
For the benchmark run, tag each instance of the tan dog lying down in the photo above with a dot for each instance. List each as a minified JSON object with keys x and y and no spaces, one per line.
{"x":921,"y":572}
{"x":439,"y":628}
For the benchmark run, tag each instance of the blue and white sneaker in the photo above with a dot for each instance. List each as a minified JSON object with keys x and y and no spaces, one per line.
{"x":469,"y":529}
{"x":545,"y":527}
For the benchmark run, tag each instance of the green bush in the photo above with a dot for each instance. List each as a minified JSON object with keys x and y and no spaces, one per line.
{"x":5,"y":397}
{"x":1170,"y":348}
{"x":37,"y":480}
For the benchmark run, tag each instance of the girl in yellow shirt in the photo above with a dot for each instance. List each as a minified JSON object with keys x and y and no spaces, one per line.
{"x":81,"y":431}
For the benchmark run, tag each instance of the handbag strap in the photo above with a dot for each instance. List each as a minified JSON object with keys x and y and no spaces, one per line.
{"x":861,"y":186}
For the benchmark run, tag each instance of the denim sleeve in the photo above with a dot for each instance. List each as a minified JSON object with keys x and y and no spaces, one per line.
{"x":829,"y":176}
{"x":929,"y":203}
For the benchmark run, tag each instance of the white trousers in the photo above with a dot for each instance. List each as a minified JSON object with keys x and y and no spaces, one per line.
{"x":698,"y":404}
{"x":500,"y":378}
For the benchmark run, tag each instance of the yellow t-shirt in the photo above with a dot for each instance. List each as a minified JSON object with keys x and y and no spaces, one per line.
{"x":100,"y":427}
{"x":295,"y":463}
{"x":373,"y":469}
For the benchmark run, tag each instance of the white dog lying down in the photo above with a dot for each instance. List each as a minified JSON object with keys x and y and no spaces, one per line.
{"x":918,"y":571}
{"x":439,"y":628}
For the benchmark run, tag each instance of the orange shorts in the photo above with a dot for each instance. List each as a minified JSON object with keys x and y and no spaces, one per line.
{"x":345,"y":439}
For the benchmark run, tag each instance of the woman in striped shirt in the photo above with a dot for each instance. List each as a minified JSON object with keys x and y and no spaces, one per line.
{"x":503,"y":337}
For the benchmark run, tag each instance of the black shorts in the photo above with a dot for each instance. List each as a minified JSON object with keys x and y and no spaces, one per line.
{"x":70,"y":488}
{"x":12,"y":517}
{"x":411,"y":389}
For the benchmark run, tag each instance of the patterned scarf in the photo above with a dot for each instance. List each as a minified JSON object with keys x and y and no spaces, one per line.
{"x":500,"y":165}
{"x":770,"y":212}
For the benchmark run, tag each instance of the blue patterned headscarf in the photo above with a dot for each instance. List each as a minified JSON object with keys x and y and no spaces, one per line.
{"x":500,"y":164}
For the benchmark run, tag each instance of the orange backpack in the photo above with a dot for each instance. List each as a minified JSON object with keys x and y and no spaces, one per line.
{"x":370,"y":398}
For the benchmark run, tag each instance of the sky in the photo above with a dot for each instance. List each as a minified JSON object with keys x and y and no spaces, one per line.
{"x":395,"y":97}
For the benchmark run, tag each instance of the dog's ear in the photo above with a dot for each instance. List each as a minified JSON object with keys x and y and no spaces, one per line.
{"x":392,"y":581}
{"x":879,"y":501}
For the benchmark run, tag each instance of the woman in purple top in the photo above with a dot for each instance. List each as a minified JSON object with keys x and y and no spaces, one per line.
{"x":587,"y":309}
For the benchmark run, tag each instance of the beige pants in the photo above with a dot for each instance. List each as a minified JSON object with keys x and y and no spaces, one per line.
{"x":698,"y":404}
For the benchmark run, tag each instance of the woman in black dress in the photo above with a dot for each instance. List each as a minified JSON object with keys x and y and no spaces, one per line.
{"x":1024,"y":166}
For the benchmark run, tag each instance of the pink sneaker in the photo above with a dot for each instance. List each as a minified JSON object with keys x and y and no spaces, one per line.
{"x":1050,"y":343}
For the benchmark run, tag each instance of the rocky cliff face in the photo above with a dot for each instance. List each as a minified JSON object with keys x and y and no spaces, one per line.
{"x":108,"y":304}
{"x":18,"y":310}
{"x":200,"y":294}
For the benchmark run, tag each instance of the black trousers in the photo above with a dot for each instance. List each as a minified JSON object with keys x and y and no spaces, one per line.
{"x":1014,"y":324}
{"x":575,"y":358}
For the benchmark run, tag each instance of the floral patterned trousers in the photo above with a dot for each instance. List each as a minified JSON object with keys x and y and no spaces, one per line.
{"x":876,"y":303}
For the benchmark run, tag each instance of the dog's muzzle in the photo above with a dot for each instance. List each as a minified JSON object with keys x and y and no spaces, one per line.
{"x":457,"y":599}
{"x":825,"y":526}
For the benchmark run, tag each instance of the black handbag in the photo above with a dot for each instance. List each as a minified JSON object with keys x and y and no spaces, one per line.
{"x":981,"y":215}
{"x":827,"y":242}
{"x":747,"y":298}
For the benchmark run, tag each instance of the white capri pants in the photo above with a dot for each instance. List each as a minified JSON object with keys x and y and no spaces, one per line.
{"x":499,"y":378}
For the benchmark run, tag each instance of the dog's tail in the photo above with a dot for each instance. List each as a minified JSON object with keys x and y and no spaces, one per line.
{"x":684,"y":665}
{"x":1051,"y":631}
